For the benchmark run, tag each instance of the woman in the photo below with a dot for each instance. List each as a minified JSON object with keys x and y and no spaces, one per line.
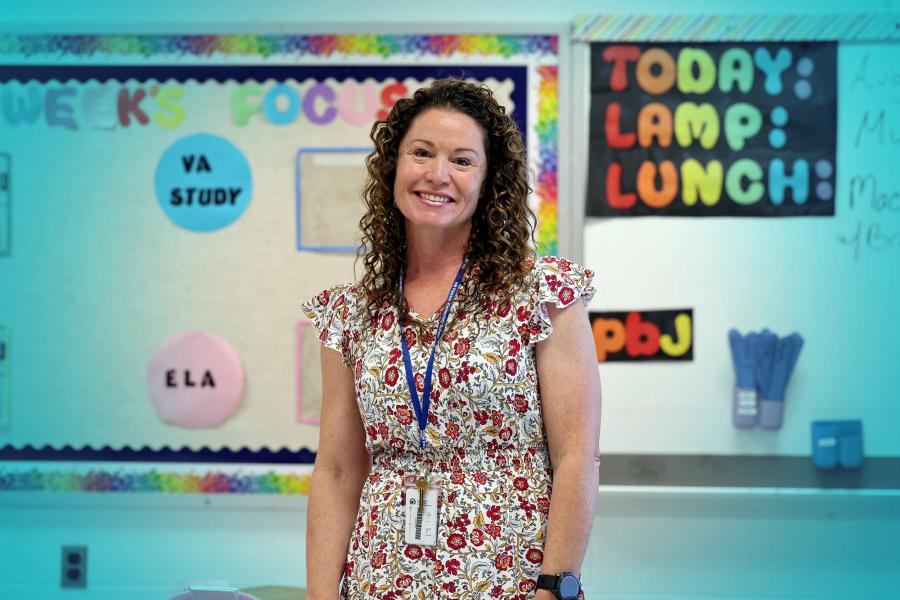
{"x":439,"y":445}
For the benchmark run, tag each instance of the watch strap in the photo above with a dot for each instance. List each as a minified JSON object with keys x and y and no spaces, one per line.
{"x":548,"y":582}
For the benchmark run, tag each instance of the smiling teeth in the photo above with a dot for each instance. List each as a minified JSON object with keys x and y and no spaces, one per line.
{"x":432,"y":198}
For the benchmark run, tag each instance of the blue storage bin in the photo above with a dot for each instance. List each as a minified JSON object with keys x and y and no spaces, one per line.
{"x":837,"y":443}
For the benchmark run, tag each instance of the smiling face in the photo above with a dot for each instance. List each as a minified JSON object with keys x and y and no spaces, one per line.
{"x":441,"y":167}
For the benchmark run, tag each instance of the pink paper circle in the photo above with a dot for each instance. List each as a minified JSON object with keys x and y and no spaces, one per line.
{"x":195,"y":380}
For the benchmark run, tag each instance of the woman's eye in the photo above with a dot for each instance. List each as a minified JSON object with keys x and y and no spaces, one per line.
{"x":464,"y":162}
{"x":420,"y":153}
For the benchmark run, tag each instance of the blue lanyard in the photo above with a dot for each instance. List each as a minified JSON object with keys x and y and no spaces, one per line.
{"x":421,"y":408}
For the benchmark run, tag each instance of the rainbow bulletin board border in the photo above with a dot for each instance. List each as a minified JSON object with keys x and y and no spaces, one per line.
{"x":100,"y":479}
{"x":153,"y":480}
{"x":382,"y":46}
{"x":735,"y":28}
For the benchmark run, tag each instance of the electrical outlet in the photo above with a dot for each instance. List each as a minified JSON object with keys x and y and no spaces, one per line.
{"x":73,"y":569}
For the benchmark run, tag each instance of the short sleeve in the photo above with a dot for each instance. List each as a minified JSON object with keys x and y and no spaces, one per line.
{"x":560,"y":282}
{"x":330,"y":312}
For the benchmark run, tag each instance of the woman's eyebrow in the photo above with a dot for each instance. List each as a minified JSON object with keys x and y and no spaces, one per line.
{"x":427,"y":143}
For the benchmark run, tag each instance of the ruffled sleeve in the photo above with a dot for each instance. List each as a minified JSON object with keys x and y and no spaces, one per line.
{"x":330,"y":313}
{"x":560,"y":282}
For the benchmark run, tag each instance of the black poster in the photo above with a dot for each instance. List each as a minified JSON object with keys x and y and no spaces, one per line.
{"x":713,"y":129}
{"x":644,"y":335}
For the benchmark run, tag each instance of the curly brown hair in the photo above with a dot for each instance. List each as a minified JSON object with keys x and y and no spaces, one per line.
{"x":500,"y":242}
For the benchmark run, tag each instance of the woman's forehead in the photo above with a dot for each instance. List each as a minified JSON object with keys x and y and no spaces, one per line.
{"x":446,"y":127}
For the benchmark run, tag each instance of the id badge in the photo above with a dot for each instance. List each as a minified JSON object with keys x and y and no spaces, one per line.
{"x":422,"y":508}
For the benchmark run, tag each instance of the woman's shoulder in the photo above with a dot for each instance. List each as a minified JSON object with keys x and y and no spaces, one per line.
{"x":333,"y":312}
{"x":561,"y":281}
{"x":341,"y":295}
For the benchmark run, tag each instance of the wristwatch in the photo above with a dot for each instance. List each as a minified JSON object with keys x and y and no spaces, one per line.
{"x":566,"y":586}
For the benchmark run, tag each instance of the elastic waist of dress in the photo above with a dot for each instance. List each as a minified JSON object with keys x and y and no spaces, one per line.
{"x":441,"y":459}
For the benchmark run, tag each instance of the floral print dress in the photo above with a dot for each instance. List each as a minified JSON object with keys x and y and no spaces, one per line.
{"x":486,"y":441}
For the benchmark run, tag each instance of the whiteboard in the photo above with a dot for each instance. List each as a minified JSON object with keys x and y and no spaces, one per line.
{"x":834,"y":280}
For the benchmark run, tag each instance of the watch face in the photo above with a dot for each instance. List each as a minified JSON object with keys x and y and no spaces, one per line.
{"x":569,"y":587}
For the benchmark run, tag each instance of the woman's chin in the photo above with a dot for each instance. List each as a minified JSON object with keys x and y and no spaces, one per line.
{"x":436,"y":223}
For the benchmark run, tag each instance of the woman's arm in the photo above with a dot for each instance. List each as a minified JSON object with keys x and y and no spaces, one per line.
{"x":570,"y":401}
{"x":342,"y":465}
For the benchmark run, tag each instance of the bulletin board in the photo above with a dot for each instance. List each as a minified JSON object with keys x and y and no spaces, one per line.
{"x":819,"y":255}
{"x":115,"y":151}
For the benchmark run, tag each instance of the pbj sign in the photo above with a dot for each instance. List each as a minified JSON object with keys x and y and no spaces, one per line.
{"x":714,"y":129}
{"x":628,"y":336}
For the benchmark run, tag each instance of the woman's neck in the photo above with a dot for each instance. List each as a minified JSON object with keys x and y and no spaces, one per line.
{"x":434,"y":253}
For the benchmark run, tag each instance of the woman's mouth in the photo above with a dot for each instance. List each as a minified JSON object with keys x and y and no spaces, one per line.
{"x":434,"y":198}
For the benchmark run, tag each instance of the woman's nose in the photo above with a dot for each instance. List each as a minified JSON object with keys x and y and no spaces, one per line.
{"x":438,"y":172}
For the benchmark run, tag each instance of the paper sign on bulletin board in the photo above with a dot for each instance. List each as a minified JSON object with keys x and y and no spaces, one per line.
{"x":330,"y":180}
{"x":298,"y":111}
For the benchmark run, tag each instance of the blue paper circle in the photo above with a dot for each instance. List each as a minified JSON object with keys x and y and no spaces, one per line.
{"x":803,"y":89}
{"x":777,"y":138}
{"x":824,"y":190}
{"x":203,"y":182}
{"x":780,"y":116}
{"x":824,"y":169}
